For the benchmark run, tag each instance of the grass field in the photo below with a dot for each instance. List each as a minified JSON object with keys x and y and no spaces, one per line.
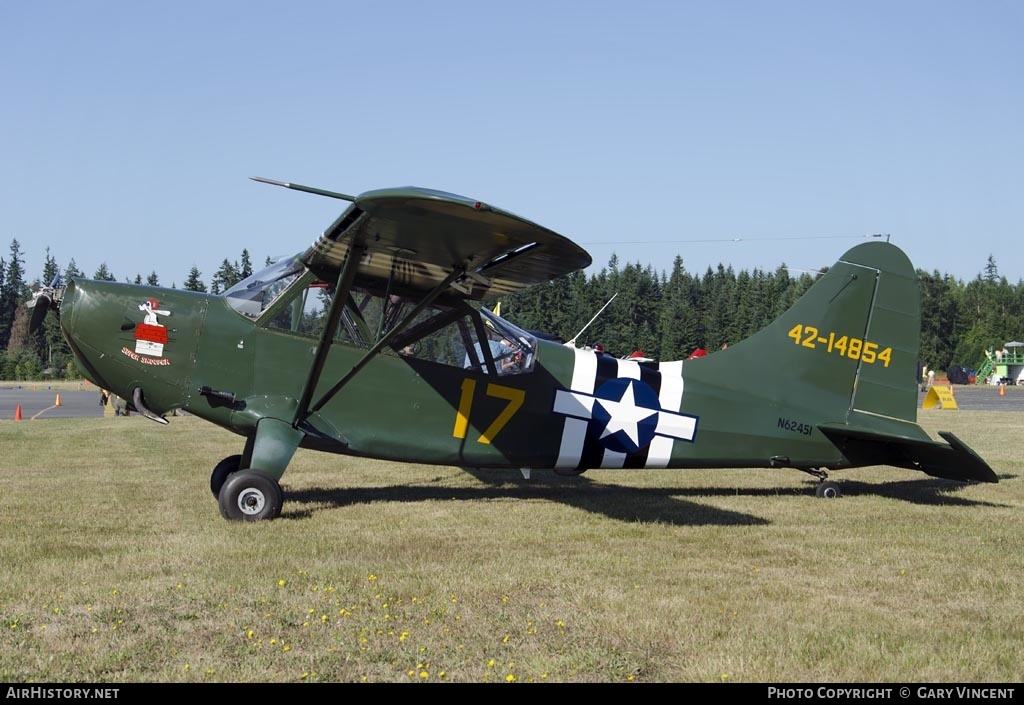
{"x":117,"y":567}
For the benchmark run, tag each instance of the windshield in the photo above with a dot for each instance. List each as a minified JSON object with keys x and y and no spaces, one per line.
{"x":511,"y":346}
{"x":255,"y":293}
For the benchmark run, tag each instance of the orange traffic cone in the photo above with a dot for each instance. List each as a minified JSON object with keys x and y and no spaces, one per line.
{"x":1002,"y":390}
{"x":17,"y":413}
{"x":58,"y":400}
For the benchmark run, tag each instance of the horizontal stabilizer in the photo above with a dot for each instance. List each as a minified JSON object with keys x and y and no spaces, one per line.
{"x":953,"y":460}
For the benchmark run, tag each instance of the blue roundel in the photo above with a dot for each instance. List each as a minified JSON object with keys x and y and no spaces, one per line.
{"x":625,"y":415}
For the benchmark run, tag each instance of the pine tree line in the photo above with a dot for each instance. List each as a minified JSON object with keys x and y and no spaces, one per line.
{"x":665,"y":314}
{"x":668,"y":315}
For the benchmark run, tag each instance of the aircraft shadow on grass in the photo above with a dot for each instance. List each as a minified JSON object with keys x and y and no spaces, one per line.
{"x":626,"y":504}
{"x":932,"y":491}
{"x":631,"y":504}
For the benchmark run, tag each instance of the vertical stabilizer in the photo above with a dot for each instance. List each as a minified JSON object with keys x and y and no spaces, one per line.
{"x":846,"y":351}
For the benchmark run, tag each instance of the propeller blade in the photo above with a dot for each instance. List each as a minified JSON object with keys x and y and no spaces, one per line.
{"x":42,"y":305}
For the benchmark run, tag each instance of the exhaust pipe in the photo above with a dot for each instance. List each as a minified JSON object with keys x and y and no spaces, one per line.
{"x":141,"y":407}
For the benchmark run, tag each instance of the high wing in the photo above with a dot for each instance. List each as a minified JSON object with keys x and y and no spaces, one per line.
{"x":415,"y":238}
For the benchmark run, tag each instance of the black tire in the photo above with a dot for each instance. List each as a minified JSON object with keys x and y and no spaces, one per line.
{"x":220,"y":473}
{"x":250,"y":495}
{"x":828,"y":490}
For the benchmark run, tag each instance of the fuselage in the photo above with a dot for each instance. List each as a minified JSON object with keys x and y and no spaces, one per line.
{"x":571,"y":410}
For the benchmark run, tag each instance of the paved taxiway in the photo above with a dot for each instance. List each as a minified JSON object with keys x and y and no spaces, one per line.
{"x":37,"y":401}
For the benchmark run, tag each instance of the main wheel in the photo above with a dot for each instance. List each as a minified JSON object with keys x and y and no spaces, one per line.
{"x":220,"y":473}
{"x":250,"y":495}
{"x":827,"y":490}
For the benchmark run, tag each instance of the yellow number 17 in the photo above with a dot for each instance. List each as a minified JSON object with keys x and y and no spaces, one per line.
{"x":514,"y":397}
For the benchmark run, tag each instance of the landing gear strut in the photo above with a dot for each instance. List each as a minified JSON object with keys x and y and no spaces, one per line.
{"x":247,"y":486}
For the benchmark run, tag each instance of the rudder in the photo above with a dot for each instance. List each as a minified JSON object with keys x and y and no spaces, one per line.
{"x":894,"y":324}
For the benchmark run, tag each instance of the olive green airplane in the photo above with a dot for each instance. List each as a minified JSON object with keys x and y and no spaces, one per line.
{"x":375,"y":342}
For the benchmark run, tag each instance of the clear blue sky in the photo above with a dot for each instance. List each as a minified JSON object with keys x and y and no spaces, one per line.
{"x":645,"y":129}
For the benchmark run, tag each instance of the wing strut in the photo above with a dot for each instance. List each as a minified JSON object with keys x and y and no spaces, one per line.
{"x":428,"y":299}
{"x":345,"y":278}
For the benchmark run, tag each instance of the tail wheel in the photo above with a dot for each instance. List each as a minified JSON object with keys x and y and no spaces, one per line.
{"x":828,"y":490}
{"x":250,"y":495}
{"x":223,"y":469}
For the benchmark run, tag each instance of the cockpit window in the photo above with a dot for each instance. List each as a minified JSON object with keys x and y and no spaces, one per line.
{"x":511,"y":347}
{"x":257,"y":292}
{"x":286,"y":297}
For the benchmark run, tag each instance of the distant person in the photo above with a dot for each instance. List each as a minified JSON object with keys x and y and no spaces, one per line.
{"x":120,"y":405}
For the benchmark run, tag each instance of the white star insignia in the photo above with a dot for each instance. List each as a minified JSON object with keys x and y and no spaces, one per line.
{"x":625,"y":415}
